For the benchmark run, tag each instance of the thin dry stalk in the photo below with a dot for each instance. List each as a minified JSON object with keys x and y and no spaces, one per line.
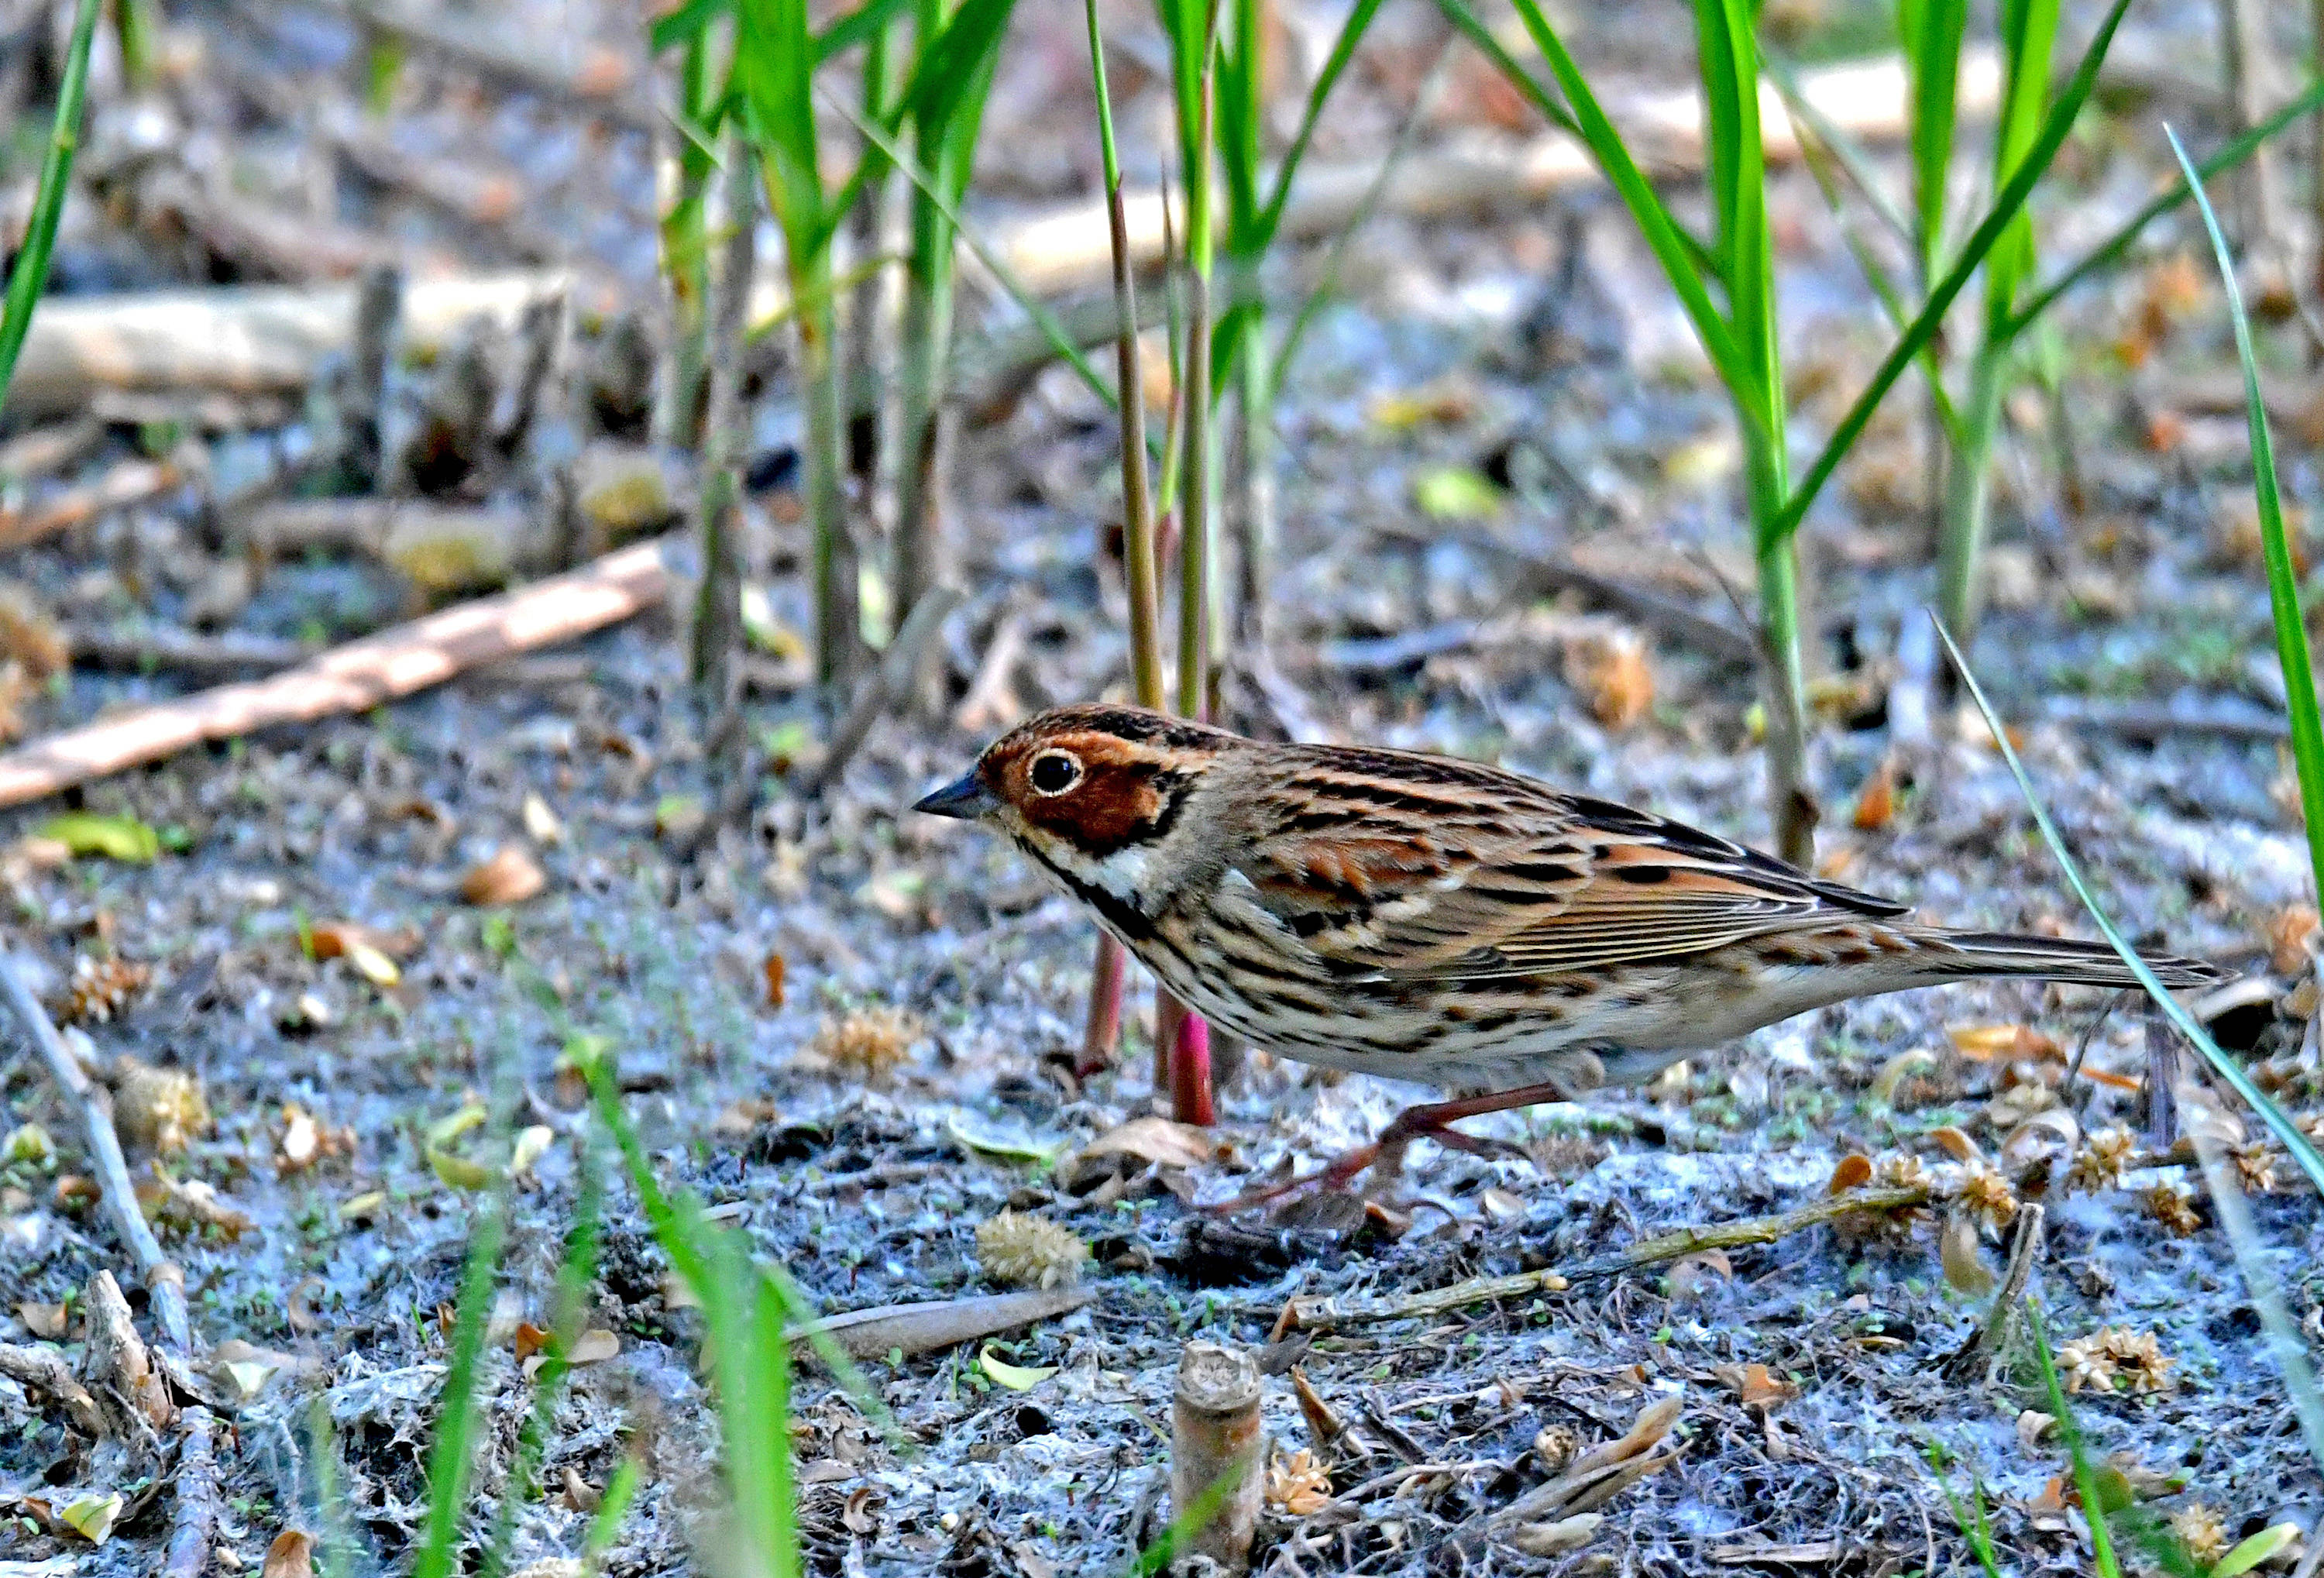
{"x":891,"y":682}
{"x":196,"y":1484}
{"x":716,"y":657}
{"x":165,"y":1284}
{"x":1326,"y":1314}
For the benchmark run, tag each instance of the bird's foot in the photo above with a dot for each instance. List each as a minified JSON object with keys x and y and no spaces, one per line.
{"x":1383,"y":1158}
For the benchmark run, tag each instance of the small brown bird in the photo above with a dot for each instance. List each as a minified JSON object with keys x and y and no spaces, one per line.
{"x":1433,"y":919}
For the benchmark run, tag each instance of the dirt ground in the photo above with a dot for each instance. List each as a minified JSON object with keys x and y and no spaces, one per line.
{"x":912,"y":1077}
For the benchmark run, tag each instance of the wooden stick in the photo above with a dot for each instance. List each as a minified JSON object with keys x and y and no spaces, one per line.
{"x":131,"y":482}
{"x":165,"y":1284}
{"x":1320,"y":1313}
{"x":250,"y":339}
{"x":196,"y":1483}
{"x":352,"y":678}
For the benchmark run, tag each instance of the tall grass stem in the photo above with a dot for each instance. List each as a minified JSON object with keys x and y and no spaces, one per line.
{"x":30,"y":272}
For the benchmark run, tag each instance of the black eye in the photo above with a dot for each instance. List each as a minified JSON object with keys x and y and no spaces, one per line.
{"x":1054,"y":772}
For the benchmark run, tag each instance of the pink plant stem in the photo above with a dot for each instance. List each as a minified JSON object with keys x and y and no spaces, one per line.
{"x":1103,"y":1032}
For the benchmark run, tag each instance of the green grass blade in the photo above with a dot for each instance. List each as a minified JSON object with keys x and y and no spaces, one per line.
{"x":1142,"y":574}
{"x":858,"y":26}
{"x":2283,"y":578}
{"x":1842,"y":148}
{"x":1046,"y":321}
{"x":2086,"y":1478}
{"x":1931,"y":32}
{"x":2289,"y":1348}
{"x":1590,"y":122}
{"x":2029,"y":30}
{"x":2105,"y":254}
{"x":2006,"y":206}
{"x":2287,"y":1133}
{"x":1731,"y":73}
{"x":1819,"y":154}
{"x":1471,"y":26}
{"x":612,"y":1508}
{"x":30,"y":270}
{"x":1343,"y":49}
{"x":774,"y":57}
{"x":453,"y":1458}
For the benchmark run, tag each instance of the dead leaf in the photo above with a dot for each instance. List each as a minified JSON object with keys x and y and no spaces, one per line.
{"x":44,"y":1321}
{"x":774,"y":969}
{"x":1549,"y":1539}
{"x":1609,"y":669}
{"x":1875,"y":807}
{"x":2290,"y":935}
{"x":529,"y":1339}
{"x":1956,"y":1144}
{"x":510,"y":877}
{"x":1987,"y":1042}
{"x":596,"y":1346}
{"x":1957,"y":1252}
{"x":580,"y":1495}
{"x":292,"y":1555}
{"x":1156,"y":1139}
{"x":1755,"y":1385}
{"x":1854,"y":1171}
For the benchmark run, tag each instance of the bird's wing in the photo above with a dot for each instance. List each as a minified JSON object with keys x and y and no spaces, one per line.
{"x":1538,"y":885}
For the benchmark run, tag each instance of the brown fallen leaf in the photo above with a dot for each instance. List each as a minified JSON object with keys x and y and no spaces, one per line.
{"x":925,"y":1326}
{"x":1987,"y":1042}
{"x":1876,"y":808}
{"x":529,"y":1339}
{"x":190,"y":1206}
{"x":580,"y":1495}
{"x":1609,"y":669}
{"x":292,"y":1555}
{"x":2290,"y":935}
{"x":44,"y":1321}
{"x":1602,"y":1473}
{"x":1755,"y":1385}
{"x":774,"y":969}
{"x":510,"y":877}
{"x":1854,"y":1171}
{"x":1156,"y":1139}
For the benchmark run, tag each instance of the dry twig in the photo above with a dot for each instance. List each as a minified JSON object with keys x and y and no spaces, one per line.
{"x":1326,"y":1314}
{"x":352,"y":678}
{"x":165,"y":1284}
{"x":190,"y":1535}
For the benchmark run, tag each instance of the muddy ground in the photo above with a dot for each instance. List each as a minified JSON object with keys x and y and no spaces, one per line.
{"x":2126,"y":582}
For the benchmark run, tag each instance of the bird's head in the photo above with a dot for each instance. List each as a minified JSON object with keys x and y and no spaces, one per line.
{"x":1086,"y":789}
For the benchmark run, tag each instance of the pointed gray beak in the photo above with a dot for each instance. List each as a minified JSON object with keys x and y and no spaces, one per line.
{"x":965,"y":798}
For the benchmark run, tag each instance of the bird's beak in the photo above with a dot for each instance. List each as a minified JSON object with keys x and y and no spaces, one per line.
{"x":965,"y":798}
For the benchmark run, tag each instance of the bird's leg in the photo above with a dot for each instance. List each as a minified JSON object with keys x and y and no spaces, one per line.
{"x":1430,"y":1121}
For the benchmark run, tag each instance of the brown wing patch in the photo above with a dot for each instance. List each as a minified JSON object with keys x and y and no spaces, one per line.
{"x":1519,"y":889}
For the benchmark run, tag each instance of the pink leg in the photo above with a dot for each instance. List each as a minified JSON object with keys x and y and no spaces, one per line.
{"x":1429,"y":1121}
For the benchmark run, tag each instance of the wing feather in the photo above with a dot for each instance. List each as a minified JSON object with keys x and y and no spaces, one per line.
{"x":1472,"y":887}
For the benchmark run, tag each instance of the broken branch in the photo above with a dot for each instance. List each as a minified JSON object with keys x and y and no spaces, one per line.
{"x":1317,"y":1314}
{"x":352,"y":678}
{"x":165,"y":1284}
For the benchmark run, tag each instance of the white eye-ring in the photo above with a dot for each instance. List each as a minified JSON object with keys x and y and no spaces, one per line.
{"x":1053,"y":773}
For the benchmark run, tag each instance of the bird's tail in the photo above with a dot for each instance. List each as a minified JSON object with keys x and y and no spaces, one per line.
{"x":1961,"y":954}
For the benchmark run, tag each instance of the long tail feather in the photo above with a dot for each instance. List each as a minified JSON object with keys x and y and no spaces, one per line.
{"x":2051,"y":958}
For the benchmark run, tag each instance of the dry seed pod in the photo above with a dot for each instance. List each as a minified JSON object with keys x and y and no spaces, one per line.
{"x":1027,"y":1251}
{"x":159,"y":1109}
{"x":1216,"y":1447}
